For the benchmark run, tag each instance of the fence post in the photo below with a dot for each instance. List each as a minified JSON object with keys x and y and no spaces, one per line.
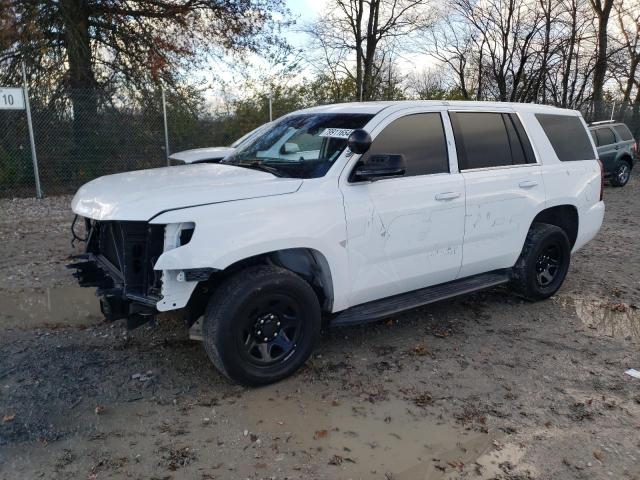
{"x":613,"y":109}
{"x":34,"y":159}
{"x":166,"y":129}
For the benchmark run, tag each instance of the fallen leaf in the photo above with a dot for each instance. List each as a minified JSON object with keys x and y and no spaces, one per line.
{"x":619,"y":307}
{"x":423,"y":400}
{"x":598,"y":455}
{"x":8,"y":418}
{"x":420,"y":350}
{"x":100,"y":409}
{"x":336,"y":460}
{"x":320,"y":434}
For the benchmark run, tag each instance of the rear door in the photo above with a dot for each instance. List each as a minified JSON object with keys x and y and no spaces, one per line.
{"x":625,"y":139}
{"x":607,"y":147}
{"x":503,"y":185}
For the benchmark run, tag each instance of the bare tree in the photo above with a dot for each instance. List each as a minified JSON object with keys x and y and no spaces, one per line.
{"x":364,"y":30}
{"x":453,"y":43}
{"x":625,"y":64}
{"x":602,"y":9}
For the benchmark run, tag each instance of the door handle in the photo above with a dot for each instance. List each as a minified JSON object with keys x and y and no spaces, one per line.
{"x":527,"y":184}
{"x":447,"y":195}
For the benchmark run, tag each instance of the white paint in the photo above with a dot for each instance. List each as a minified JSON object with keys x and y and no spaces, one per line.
{"x":142,"y":194}
{"x":633,"y":373}
{"x":197,"y":155}
{"x":379,"y":238}
{"x":11,"y":98}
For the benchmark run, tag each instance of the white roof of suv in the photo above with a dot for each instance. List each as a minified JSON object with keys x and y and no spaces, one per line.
{"x":376,"y":107}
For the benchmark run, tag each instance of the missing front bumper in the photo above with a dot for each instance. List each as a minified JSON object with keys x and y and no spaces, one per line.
{"x":119,"y":262}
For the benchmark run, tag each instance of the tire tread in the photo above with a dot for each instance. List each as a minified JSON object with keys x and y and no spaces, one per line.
{"x":222,"y":301}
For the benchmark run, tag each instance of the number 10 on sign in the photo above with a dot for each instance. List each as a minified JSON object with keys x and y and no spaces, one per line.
{"x":11,"y":99}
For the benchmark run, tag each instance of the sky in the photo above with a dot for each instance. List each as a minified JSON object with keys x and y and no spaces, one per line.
{"x":303,"y":12}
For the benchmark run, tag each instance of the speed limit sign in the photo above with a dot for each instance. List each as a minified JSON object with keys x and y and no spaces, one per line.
{"x":11,"y":99}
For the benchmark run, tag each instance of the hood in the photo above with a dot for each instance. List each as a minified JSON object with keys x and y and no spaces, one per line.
{"x":143,"y":194}
{"x":202,"y":154}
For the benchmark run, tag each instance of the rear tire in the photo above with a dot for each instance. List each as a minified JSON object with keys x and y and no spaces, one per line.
{"x":543,"y":263}
{"x":620,"y":175}
{"x":261,"y":325}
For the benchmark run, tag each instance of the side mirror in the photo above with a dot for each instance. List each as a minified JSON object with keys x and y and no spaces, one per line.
{"x":381,"y":166}
{"x":359,"y":141}
{"x":289,"y":148}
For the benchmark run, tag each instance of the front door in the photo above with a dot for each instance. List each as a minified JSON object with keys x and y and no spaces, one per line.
{"x":405,"y":233}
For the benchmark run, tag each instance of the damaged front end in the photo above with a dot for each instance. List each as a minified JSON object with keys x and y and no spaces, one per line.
{"x":118,"y":260}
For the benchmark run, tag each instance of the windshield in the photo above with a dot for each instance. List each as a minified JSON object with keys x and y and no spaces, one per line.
{"x":247,"y":137}
{"x":299,"y":146}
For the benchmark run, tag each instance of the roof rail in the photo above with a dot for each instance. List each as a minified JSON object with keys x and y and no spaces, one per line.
{"x":603,"y":122}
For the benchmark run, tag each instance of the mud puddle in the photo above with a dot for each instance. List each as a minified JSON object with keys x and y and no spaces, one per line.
{"x":618,"y":320}
{"x":373,"y":440}
{"x":68,"y":306}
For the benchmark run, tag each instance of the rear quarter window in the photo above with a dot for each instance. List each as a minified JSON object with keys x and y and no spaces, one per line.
{"x":623,"y":132}
{"x":567,"y":136}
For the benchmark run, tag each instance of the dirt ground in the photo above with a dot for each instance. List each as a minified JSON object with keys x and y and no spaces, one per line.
{"x":482,"y":387}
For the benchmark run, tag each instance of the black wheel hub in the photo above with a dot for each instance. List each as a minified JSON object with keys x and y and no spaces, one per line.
{"x":272,"y":329}
{"x":266,"y":327}
{"x":548,"y":265}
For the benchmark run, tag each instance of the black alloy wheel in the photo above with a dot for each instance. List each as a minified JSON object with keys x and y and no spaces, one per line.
{"x":272,"y":328}
{"x":261,"y":325}
{"x":548,"y":265}
{"x":543,"y":263}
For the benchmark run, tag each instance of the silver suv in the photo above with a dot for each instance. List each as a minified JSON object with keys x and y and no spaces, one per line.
{"x":617,"y":150}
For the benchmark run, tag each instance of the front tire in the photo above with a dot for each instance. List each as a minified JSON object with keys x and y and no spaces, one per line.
{"x":543,"y":263}
{"x":261,"y":325}
{"x":620,"y":175}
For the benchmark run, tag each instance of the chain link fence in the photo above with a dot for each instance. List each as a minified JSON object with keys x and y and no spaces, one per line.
{"x":82,"y":136}
{"x":16,"y":169}
{"x":77,"y":139}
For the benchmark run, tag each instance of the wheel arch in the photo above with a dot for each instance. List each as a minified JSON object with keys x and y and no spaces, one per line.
{"x":309,"y":263}
{"x":563,"y":216}
{"x":626,"y":157}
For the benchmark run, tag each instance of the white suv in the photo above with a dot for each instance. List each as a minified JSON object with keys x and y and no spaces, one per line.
{"x":343,"y":213}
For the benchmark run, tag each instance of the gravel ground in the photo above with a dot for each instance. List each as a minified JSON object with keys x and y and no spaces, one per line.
{"x":485,"y":386}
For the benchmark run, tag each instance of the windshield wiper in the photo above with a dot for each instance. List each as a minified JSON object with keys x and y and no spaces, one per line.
{"x":259,"y":165}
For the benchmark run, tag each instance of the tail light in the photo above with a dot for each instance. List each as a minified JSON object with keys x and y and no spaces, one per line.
{"x":601,"y":180}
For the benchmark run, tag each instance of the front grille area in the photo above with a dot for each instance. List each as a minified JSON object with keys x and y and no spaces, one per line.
{"x":119,"y":260}
{"x":132,"y":248}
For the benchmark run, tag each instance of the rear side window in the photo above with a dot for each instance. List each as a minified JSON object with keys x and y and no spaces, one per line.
{"x":605,"y":136}
{"x":420,"y":138}
{"x":623,"y":132}
{"x":490,"y":140}
{"x":567,"y":136}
